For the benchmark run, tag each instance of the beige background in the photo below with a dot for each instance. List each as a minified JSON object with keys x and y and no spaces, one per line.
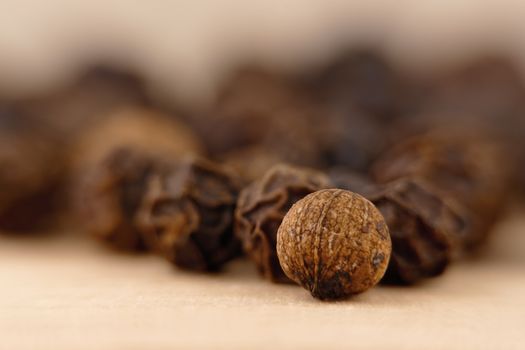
{"x":184,"y":47}
{"x":67,"y":292}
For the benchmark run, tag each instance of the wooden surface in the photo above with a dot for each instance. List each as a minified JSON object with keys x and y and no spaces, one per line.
{"x":67,"y":292}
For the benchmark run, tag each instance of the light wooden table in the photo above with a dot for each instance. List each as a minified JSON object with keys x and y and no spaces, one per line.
{"x":67,"y":292}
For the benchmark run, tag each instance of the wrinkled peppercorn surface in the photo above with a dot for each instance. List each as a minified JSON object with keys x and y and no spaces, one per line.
{"x":262,"y":206}
{"x":187,"y":215}
{"x":334,"y":243}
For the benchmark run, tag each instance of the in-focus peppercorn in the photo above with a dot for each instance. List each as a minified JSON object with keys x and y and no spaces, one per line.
{"x":187,"y":214}
{"x":261,"y":207}
{"x":334,"y":243}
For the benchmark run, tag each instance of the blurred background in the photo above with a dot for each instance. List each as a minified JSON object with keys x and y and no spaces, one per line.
{"x":184,"y":48}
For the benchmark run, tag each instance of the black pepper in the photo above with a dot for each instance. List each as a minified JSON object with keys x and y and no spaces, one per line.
{"x":259,"y":108}
{"x":426,"y":230}
{"x":262,"y":206}
{"x":187,"y":214}
{"x":468,"y":167}
{"x":32,"y":171}
{"x":334,"y":243}
{"x":111,"y":164}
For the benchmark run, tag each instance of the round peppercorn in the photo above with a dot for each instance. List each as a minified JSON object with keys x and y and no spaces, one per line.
{"x":334,"y":243}
{"x":262,"y":206}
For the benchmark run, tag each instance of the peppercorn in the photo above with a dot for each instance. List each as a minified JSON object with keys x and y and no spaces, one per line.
{"x":261,"y":207}
{"x":344,"y":139}
{"x":32,"y":168}
{"x":46,"y":128}
{"x":469,"y":168}
{"x":334,"y":243}
{"x":258,"y":108}
{"x":362,"y":79}
{"x":111,"y":164}
{"x":486,"y":91}
{"x":187,"y":214}
{"x":87,"y":100}
{"x":425,"y":229}
{"x":143,"y":128}
{"x":111,"y":196}
{"x":358,"y":93}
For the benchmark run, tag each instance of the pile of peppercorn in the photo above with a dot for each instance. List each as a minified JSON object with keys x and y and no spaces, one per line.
{"x":334,"y":179}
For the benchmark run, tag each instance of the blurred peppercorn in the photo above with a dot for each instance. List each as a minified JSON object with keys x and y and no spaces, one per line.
{"x":187,"y":214}
{"x":111,"y":163}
